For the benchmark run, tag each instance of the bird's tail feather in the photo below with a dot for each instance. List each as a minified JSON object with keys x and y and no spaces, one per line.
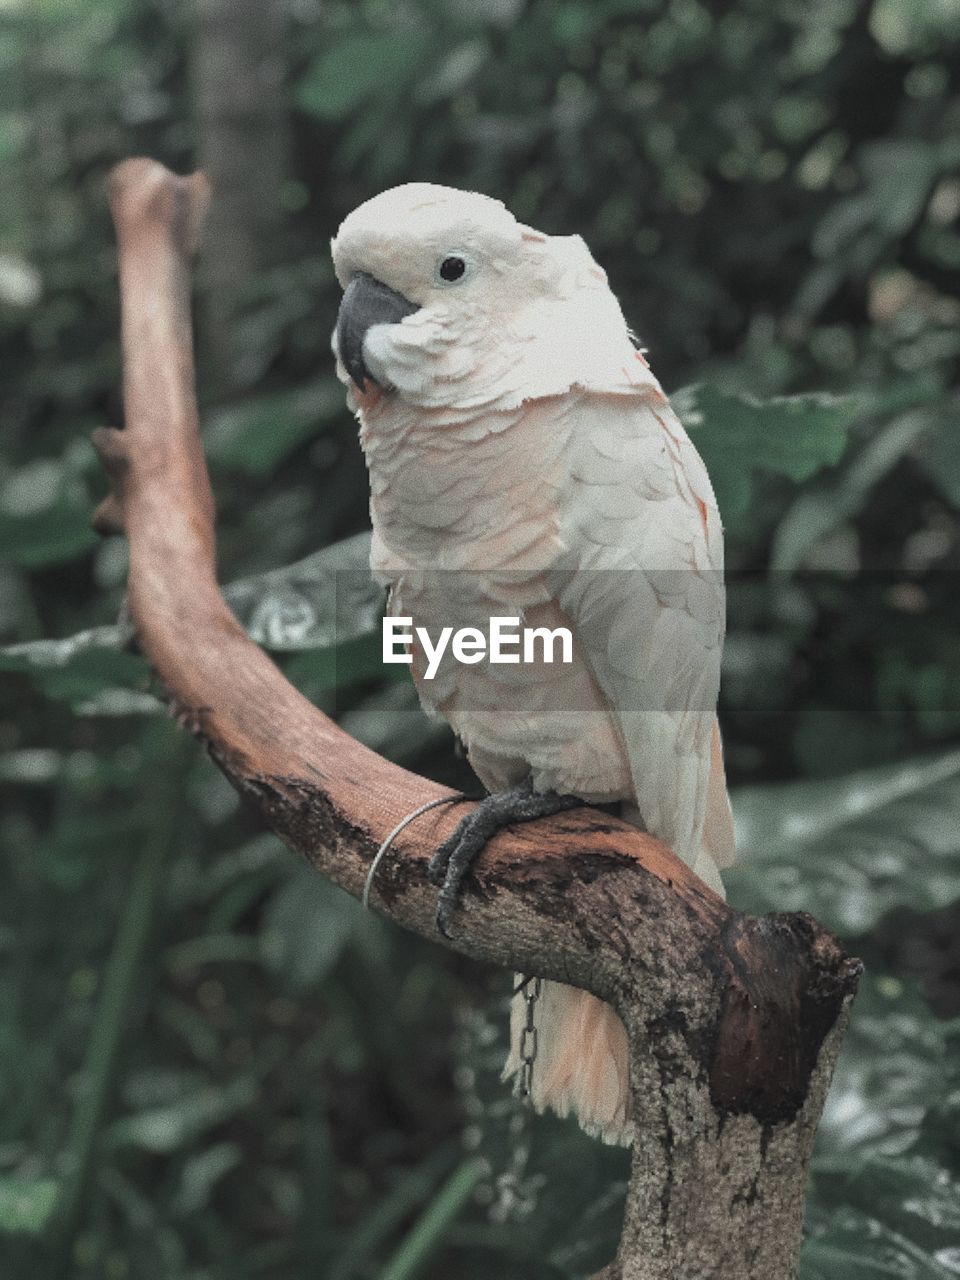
{"x":582,"y":1060}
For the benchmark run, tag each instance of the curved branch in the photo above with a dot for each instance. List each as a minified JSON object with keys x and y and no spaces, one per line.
{"x":734,"y":1021}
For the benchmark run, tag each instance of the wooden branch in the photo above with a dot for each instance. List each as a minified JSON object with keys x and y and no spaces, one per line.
{"x":734,"y":1021}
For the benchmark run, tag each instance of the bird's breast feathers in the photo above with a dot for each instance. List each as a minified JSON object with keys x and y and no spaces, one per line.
{"x":523,"y":456}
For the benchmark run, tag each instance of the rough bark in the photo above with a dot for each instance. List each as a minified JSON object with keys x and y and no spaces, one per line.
{"x":735,"y":1021}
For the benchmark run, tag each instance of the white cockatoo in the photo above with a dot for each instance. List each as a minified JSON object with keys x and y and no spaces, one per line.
{"x":524,"y":462}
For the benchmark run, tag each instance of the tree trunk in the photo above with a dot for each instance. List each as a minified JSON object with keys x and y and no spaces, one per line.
{"x":243,"y":146}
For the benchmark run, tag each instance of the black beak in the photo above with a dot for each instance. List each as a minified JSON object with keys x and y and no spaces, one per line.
{"x":366,"y":302}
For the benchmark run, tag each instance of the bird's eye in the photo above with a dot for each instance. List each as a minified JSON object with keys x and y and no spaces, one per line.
{"x":453,"y":268}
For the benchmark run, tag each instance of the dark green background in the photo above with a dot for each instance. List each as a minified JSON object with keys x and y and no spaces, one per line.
{"x":212,"y":1065}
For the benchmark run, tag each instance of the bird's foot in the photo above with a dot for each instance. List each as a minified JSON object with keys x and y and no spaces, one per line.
{"x":453,"y":859}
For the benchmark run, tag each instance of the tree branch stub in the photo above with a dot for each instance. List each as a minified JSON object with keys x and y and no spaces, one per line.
{"x":734,"y":1021}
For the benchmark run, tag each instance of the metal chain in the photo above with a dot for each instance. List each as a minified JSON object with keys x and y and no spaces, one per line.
{"x":529,"y":1039}
{"x":515,"y":1191}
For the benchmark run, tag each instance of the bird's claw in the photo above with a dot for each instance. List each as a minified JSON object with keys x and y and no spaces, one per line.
{"x":453,"y":859}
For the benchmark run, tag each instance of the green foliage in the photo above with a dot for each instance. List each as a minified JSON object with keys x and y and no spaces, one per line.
{"x":320,"y":602}
{"x":428,"y":1233}
{"x":212,"y":1064}
{"x":737,"y":436}
{"x":45,"y":511}
{"x":538,"y":1170}
{"x":883,"y":1197}
{"x":258,"y":436}
{"x":78,"y":667}
{"x":305,"y":930}
{"x":358,"y":68}
{"x":850,"y":850}
{"x":941,"y":460}
{"x":26,"y":1204}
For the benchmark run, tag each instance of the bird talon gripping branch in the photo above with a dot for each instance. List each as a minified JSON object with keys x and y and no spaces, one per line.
{"x":453,"y":859}
{"x":525,"y":464}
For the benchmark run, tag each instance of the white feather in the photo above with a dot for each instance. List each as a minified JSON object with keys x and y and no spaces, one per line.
{"x":529,"y":461}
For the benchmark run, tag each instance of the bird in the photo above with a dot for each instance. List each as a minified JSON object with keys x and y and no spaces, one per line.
{"x":524,"y":461}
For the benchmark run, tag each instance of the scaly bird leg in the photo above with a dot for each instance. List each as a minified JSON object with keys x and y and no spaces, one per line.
{"x":452,"y":861}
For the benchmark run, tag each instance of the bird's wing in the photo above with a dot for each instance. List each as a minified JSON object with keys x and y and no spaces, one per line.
{"x":641,"y":578}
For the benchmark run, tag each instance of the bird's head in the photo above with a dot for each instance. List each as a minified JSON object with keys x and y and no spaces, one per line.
{"x":434,"y":281}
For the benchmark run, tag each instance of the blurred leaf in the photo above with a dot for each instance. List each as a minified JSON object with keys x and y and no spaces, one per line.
{"x":324,"y":600}
{"x":851,"y":849}
{"x":118,"y":702}
{"x":427,"y":1234}
{"x":327,"y":599}
{"x":190,"y":1027}
{"x":921,"y":27}
{"x":359,"y":66}
{"x":49,"y":537}
{"x":163,"y":1130}
{"x":26,"y":1204}
{"x":200,"y":1175}
{"x":215,"y":948}
{"x":259,"y":434}
{"x":78,"y":843}
{"x":411,"y":1189}
{"x":44,"y":511}
{"x":737,"y":436}
{"x":889,"y":1076}
{"x":391,"y":722}
{"x":159,"y":1086}
{"x":914,"y":1197}
{"x":263,"y":852}
{"x":60,"y":653}
{"x":79,"y":667}
{"x":817,"y":511}
{"x":940,"y":246}
{"x":31,"y":766}
{"x":306,"y":926}
{"x":899,"y":173}
{"x":898,"y":1218}
{"x":829,"y":742}
{"x":319,"y":1181}
{"x":855,"y":1246}
{"x":163,"y":808}
{"x":454,"y":72}
{"x":353,"y":662}
{"x":941,"y":455}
